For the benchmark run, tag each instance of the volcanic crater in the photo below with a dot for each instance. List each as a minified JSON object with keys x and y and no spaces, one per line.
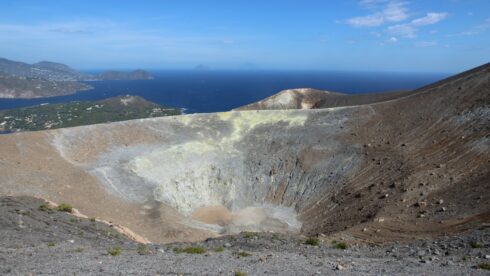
{"x":331,"y":163}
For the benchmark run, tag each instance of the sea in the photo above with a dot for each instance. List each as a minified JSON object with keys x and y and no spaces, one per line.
{"x":214,"y":91}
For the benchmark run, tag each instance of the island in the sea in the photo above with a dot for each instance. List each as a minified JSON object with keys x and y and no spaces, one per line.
{"x":19,"y":80}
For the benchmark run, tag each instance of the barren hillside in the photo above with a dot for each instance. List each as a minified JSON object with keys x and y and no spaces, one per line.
{"x":308,"y":98}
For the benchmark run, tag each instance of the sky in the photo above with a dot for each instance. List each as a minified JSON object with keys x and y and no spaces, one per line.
{"x":351,"y":35}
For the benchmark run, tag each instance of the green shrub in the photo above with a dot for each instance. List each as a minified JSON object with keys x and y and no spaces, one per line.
{"x":143,"y":249}
{"x":50,"y":244}
{"x":249,"y":235}
{"x":63,"y":207}
{"x":79,"y":249}
{"x":44,"y":207}
{"x":312,"y":241}
{"x":219,"y":249}
{"x":341,"y":245}
{"x":240,"y":273}
{"x":476,"y":245}
{"x":190,"y":250}
{"x":115,"y":251}
{"x":485,"y":266}
{"x":92,"y":219}
{"x":243,"y":254}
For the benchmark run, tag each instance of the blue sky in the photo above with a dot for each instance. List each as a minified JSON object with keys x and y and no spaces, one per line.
{"x":361,"y":35}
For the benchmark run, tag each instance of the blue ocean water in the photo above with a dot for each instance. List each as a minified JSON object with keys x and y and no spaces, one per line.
{"x":213,"y":91}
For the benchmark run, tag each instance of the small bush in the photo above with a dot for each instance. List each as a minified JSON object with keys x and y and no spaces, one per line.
{"x":114,"y":251}
{"x":240,"y":273}
{"x":312,"y":241}
{"x":79,"y":249}
{"x":243,"y":254}
{"x":249,"y":235}
{"x":340,"y":245}
{"x":476,"y":245}
{"x":44,"y":207}
{"x":485,"y":266}
{"x":50,"y":244}
{"x":63,"y":207}
{"x":219,"y":249}
{"x":92,"y":219}
{"x":143,"y":249}
{"x":190,"y":250}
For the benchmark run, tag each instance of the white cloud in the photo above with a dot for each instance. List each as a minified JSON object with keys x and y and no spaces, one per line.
{"x":95,"y":42}
{"x":395,"y":12}
{"x":409,"y":30}
{"x":404,"y":30}
{"x":366,"y":21}
{"x":392,"y":40}
{"x":425,"y":44}
{"x":59,"y":28}
{"x":368,"y":3}
{"x":390,"y":11}
{"x":476,"y":30}
{"x":105,"y":33}
{"x":429,"y":19}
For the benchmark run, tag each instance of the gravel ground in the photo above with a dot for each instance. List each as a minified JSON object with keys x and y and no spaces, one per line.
{"x":53,"y":242}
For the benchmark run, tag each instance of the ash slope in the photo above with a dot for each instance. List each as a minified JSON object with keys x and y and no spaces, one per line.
{"x":377,"y":172}
{"x":38,"y":241}
{"x":308,"y":98}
